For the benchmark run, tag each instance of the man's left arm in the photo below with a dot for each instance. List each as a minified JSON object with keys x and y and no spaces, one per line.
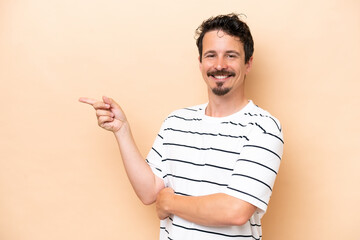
{"x":249,"y":190}
{"x":218,"y":209}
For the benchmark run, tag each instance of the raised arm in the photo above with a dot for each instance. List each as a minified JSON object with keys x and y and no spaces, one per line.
{"x":112,"y":118}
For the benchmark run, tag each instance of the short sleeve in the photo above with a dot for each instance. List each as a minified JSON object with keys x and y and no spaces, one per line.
{"x":255,"y":171}
{"x":155,"y":156}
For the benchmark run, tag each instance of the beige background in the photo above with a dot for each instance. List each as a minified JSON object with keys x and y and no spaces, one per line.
{"x":61,"y":176}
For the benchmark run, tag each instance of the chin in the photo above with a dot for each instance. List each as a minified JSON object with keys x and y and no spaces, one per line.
{"x":221,"y":91}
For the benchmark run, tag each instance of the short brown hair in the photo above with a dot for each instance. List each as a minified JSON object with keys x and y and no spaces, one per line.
{"x":230,"y":24}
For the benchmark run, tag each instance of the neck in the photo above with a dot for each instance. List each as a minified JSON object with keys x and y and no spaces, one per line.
{"x":222,"y":106}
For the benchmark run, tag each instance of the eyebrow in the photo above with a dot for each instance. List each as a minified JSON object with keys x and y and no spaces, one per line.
{"x":233,"y":52}
{"x":210,"y":51}
{"x":230,"y":51}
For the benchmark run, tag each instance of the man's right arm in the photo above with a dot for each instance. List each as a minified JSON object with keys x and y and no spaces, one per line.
{"x":111,"y":117}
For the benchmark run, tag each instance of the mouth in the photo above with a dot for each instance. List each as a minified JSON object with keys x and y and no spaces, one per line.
{"x":221,"y":75}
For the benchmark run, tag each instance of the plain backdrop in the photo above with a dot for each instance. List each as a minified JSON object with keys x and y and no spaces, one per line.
{"x":61,"y":176}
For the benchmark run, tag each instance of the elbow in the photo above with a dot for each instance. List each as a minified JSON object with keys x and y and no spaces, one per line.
{"x":147,"y":200}
{"x":241,"y":214}
{"x":149,"y":197}
{"x":239,"y":220}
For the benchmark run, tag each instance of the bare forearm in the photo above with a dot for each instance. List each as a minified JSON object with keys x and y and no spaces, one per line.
{"x":210,"y":210}
{"x":142,"y":179}
{"x":112,"y":118}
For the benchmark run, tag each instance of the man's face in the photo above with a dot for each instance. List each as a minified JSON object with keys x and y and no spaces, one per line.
{"x":223,"y":63}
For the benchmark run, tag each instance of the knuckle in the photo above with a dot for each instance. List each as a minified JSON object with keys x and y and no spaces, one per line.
{"x":96,"y":105}
{"x":99,"y":105}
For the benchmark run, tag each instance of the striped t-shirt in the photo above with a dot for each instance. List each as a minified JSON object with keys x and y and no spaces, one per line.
{"x":199,"y":155}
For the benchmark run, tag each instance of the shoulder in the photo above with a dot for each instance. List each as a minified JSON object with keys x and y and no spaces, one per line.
{"x":183,"y":117}
{"x":187,"y":113}
{"x":263,"y":119}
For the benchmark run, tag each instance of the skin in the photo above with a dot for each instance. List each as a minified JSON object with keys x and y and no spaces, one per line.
{"x":224,"y":52}
{"x":111,"y":117}
{"x":210,"y":210}
{"x":221,"y":52}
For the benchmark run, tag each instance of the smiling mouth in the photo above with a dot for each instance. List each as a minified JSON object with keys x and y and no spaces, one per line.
{"x":221,"y":75}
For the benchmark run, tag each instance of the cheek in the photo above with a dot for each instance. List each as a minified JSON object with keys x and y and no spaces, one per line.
{"x":203,"y":68}
{"x":206,"y":67}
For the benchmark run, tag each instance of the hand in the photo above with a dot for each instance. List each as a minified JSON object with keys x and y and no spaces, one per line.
{"x":163,"y":201}
{"x":109,"y":114}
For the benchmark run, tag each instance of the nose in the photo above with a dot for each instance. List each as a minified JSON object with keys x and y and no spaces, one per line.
{"x":221,"y":63}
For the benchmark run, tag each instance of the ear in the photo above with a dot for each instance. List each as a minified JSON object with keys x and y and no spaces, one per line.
{"x":200,"y":64}
{"x":248,"y":65}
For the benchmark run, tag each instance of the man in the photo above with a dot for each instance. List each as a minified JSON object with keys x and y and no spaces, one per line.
{"x":212,"y":167}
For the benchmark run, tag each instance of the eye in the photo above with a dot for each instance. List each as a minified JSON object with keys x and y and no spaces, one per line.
{"x":231,"y":56}
{"x":209,"y":55}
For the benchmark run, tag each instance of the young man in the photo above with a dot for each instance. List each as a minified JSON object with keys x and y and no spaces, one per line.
{"x":212,"y":167}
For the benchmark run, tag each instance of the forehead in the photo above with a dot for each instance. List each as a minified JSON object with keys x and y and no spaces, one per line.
{"x":218,"y":40}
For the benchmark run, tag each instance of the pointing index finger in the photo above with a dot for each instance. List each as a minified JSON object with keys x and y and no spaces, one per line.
{"x":89,"y":101}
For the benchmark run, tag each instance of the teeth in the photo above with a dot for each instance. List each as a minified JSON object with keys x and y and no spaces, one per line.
{"x":220,"y":77}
